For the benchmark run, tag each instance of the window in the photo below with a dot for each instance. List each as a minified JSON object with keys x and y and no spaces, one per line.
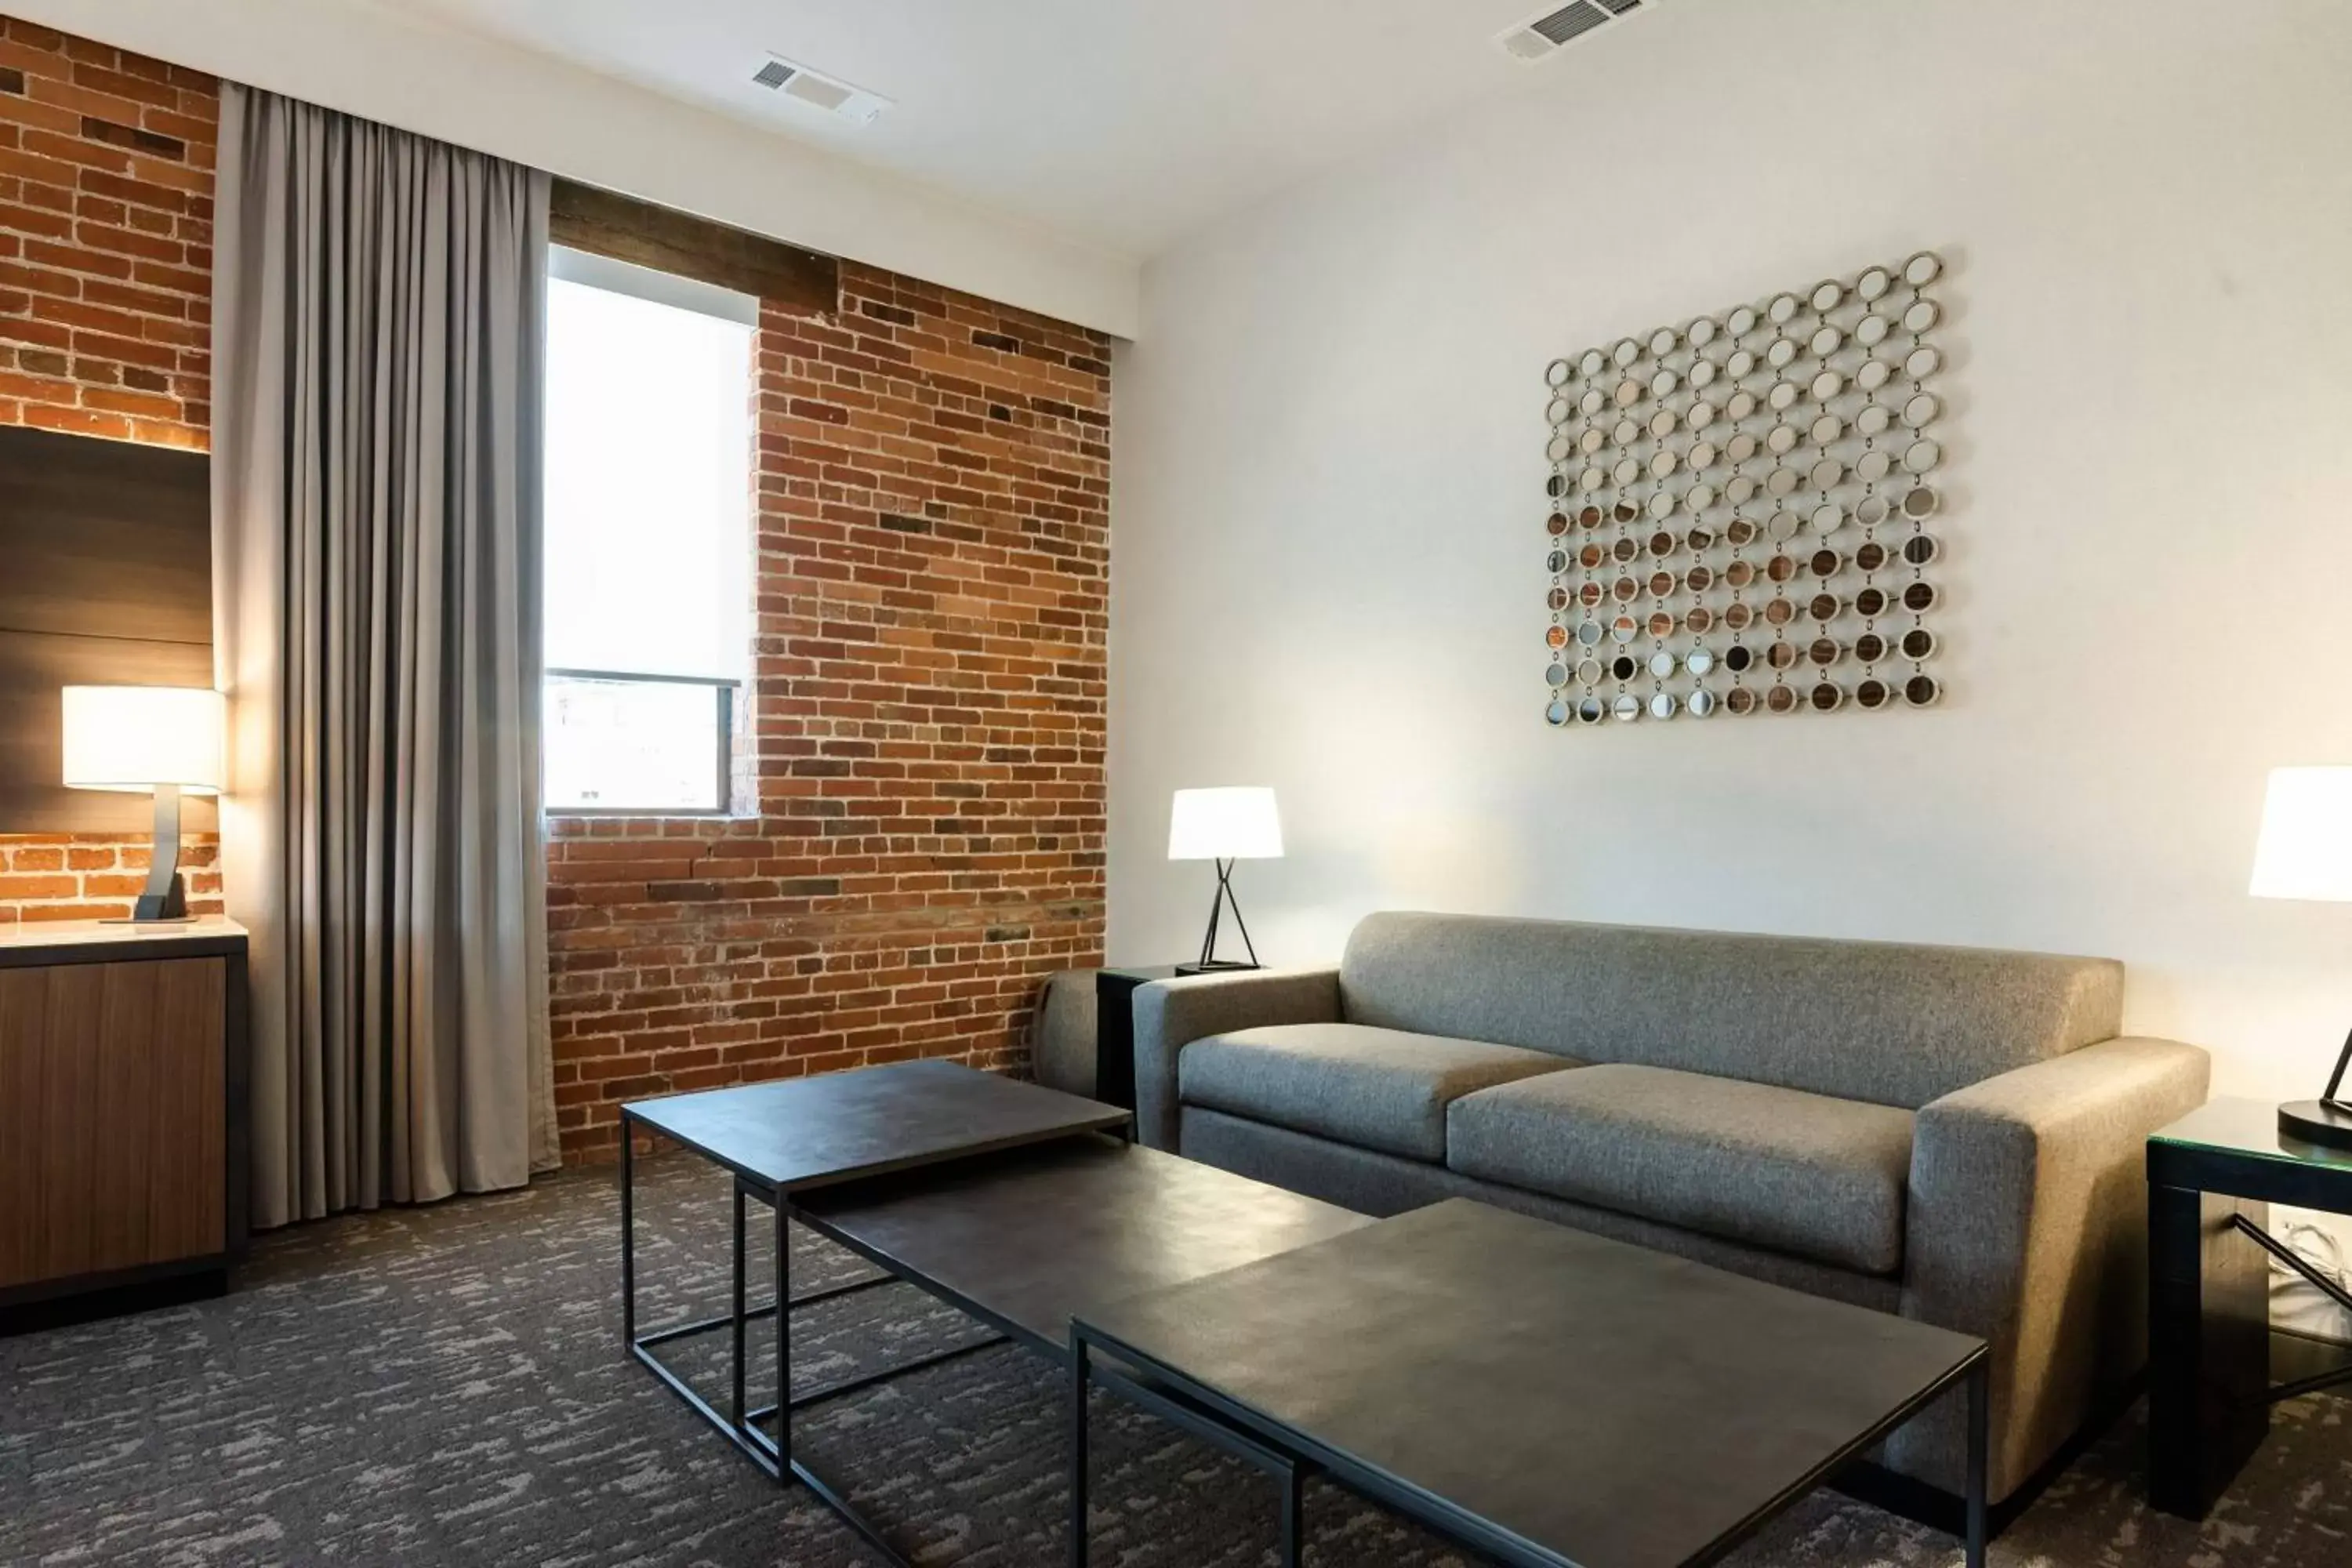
{"x":648,"y":567}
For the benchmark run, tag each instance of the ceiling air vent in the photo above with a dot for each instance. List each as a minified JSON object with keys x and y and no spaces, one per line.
{"x":1546,"y":35}
{"x":793,"y":80}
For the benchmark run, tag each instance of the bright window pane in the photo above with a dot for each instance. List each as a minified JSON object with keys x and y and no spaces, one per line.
{"x":648,"y":485}
{"x":648,"y":550}
{"x":631,"y":745}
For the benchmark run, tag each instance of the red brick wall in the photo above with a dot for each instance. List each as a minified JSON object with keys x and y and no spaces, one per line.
{"x":106,"y":206}
{"x":926,"y":745}
{"x":87,"y":876}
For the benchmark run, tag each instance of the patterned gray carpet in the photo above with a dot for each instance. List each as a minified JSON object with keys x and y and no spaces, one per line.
{"x":445,"y":1385}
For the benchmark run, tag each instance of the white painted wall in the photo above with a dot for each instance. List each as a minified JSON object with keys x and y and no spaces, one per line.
{"x":386,"y":64}
{"x":1327,"y":539}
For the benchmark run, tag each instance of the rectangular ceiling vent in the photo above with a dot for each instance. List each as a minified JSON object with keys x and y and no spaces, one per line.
{"x":1542,"y":36}
{"x":798,"y":83}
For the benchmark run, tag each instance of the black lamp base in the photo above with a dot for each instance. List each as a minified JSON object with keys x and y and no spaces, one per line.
{"x":1217,"y":966}
{"x":2317,"y":1122}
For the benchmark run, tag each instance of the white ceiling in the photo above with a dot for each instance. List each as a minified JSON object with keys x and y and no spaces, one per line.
{"x":1122,"y":122}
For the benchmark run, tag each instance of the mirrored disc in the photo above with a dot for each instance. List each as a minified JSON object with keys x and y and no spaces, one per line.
{"x":1923,"y":269}
{"x":1873,"y":282}
{"x":1827,"y":385}
{"x":1921,"y":411}
{"x":1922,"y":316}
{"x":1627,"y":708}
{"x":1828,"y":518}
{"x":1782,"y":352}
{"x":1923,"y":362}
{"x":1828,"y":294}
{"x":1626,"y":353}
{"x":1593,"y":401}
{"x":1559,"y":448}
{"x":1873,"y":376}
{"x":1593,"y":362}
{"x":1872,"y":420}
{"x":1703,"y":374}
{"x":1663,"y":342}
{"x":1702,"y":704}
{"x":1664,"y":384}
{"x":1827,"y":340}
{"x":1558,"y":372}
{"x":1873,"y":466}
{"x":1742,"y":322}
{"x":1870,"y":331}
{"x":1783,"y":309}
{"x":1702,"y":415}
{"x":1662,"y":705}
{"x":1740,"y":364}
{"x":1784,"y":396}
{"x":1701,"y":333}
{"x":1922,"y":455}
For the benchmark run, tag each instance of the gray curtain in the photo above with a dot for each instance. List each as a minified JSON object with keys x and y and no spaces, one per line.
{"x":378,"y":317}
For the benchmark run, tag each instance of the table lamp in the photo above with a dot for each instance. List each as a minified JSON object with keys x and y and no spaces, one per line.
{"x":137,"y":739}
{"x":1224,"y":825}
{"x":2304,"y":851}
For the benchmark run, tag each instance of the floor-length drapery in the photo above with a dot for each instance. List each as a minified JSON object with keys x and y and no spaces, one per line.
{"x":378,"y":318}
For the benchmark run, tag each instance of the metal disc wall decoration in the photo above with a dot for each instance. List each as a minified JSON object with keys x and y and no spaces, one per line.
{"x":1804,"y":573}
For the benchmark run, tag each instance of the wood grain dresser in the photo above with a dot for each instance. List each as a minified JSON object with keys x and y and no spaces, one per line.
{"x":123,"y":1113}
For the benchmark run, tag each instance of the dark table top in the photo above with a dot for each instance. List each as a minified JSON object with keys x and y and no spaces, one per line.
{"x":1611,"y":1406}
{"x":798,"y":1133}
{"x":2248,"y":1127}
{"x":2235,"y":1146}
{"x":1029,"y":1238}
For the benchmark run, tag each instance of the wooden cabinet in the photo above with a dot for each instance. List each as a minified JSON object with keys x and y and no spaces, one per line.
{"x":123,"y":1146}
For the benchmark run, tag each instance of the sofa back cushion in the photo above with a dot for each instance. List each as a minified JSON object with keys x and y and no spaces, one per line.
{"x":1889,"y":1022}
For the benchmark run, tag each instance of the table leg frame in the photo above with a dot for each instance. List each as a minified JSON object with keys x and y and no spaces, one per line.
{"x":771,"y":1453}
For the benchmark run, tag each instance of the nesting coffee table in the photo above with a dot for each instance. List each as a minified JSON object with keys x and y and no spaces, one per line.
{"x":1548,"y":1397}
{"x":1003,"y":1199}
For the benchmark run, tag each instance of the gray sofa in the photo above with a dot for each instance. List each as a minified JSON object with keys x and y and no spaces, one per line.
{"x":1948,"y":1133}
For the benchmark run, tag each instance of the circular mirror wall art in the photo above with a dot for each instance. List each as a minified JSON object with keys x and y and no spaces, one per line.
{"x":1762,"y":477}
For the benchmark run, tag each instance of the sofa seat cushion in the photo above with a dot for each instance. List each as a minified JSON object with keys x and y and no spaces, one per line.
{"x":1378,"y":1088}
{"x":1797,"y":1173}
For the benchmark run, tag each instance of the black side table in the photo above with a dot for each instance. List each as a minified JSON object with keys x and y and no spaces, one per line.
{"x":1114,"y":1031}
{"x":2211,"y":1178}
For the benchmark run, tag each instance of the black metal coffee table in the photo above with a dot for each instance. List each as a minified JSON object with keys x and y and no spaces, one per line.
{"x":1001,"y":1198}
{"x":1543,"y":1396}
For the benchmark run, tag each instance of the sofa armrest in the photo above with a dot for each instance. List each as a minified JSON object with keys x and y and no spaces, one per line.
{"x":2028,"y":1227}
{"x":1171,"y":1013}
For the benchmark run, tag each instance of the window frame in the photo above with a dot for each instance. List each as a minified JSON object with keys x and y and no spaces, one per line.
{"x":726,"y":688}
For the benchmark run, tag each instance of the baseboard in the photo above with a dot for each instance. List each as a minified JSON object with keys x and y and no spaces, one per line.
{"x":176,"y":1287}
{"x":1932,"y":1505}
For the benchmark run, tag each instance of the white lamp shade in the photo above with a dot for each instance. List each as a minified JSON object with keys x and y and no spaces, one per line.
{"x":136,"y":737}
{"x":1238,"y":824}
{"x":2304,"y":849}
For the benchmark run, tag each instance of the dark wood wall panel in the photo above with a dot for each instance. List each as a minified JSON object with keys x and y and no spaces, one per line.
{"x":105,"y":579}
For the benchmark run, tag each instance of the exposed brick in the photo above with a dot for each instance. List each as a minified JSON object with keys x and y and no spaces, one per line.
{"x":105,"y":210}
